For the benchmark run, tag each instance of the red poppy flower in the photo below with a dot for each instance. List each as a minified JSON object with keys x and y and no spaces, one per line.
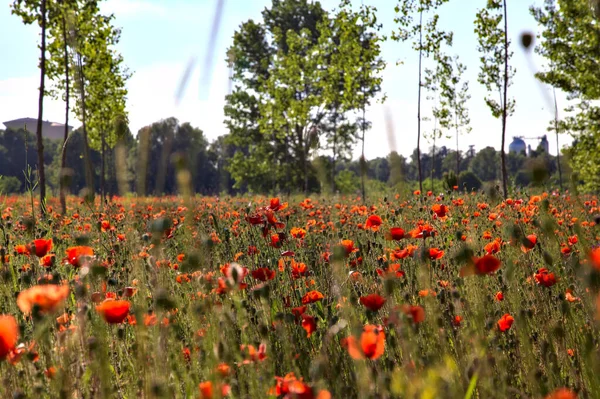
{"x":487,"y":264}
{"x":349,"y":246}
{"x":47,"y":298}
{"x":298,"y":311}
{"x":9,"y":333}
{"x":440,"y":210}
{"x":373,"y":222}
{"x":74,"y":254}
{"x":113,"y":312}
{"x":529,"y":243}
{"x":252,"y":355}
{"x":395,"y":233}
{"x":312,"y":297}
{"x":493,"y":247}
{"x":457,"y":320}
{"x":372,"y":302}
{"x":42,"y":247}
{"x":499,"y":296}
{"x":505,"y":322}
{"x":255,"y":219}
{"x":562,"y":393}
{"x":309,"y":324}
{"x":297,"y":232}
{"x":393,"y":270}
{"x":370,"y":346}
{"x":47,"y":260}
{"x":435,"y":253}
{"x":263,"y":274}
{"x":276,"y":205}
{"x":22,"y":250}
{"x":299,"y":269}
{"x":206,"y":390}
{"x":416,"y":312}
{"x":594,"y":256}
{"x":544,"y":278}
{"x":291,"y":387}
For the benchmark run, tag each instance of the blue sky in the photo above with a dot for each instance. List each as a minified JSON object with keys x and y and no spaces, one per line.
{"x":160,"y":37}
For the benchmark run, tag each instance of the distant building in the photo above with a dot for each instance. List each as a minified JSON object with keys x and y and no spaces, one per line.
{"x":517,"y":146}
{"x":50,"y":130}
{"x":544,"y":144}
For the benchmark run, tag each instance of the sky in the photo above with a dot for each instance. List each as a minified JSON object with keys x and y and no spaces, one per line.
{"x":160,"y":38}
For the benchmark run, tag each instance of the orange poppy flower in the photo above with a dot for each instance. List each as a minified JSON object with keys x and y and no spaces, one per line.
{"x":74,"y":254}
{"x":395,"y":233}
{"x":373,"y":302}
{"x":370,"y":346}
{"x":9,"y":333}
{"x":373,"y":222}
{"x":47,"y":298}
{"x":499,"y":296}
{"x":487,"y":264}
{"x":113,"y":312}
{"x":42,"y":247}
{"x":570,"y":297}
{"x":312,"y":297}
{"x":505,"y":322}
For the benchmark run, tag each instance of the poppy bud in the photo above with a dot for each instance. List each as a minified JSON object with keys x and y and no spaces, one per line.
{"x":526,"y":39}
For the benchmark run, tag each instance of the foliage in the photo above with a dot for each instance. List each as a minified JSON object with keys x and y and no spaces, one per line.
{"x":469,"y":181}
{"x":9,"y":185}
{"x":172,"y":297}
{"x":297,"y":80}
{"x":569,"y":42}
{"x":495,"y":72}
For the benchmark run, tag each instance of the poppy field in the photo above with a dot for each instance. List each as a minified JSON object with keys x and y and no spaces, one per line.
{"x":460,"y":295}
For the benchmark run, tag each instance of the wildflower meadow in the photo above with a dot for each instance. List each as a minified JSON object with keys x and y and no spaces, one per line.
{"x":430,"y":296}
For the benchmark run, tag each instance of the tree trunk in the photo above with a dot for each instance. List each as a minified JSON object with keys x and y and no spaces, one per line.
{"x":363,"y":161}
{"x":103,"y":170}
{"x":419,"y":103}
{"x":40,"y":142}
{"x":557,"y":147}
{"x":63,"y":159}
{"x":89,"y":176}
{"x":504,"y":106}
{"x":303,"y":157}
{"x":433,"y":162}
{"x":457,"y":152}
{"x":334,"y":154}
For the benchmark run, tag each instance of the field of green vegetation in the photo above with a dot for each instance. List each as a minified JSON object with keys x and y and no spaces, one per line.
{"x":449,"y":296}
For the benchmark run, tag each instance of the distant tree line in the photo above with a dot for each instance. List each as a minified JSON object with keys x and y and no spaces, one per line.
{"x":155,"y":158}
